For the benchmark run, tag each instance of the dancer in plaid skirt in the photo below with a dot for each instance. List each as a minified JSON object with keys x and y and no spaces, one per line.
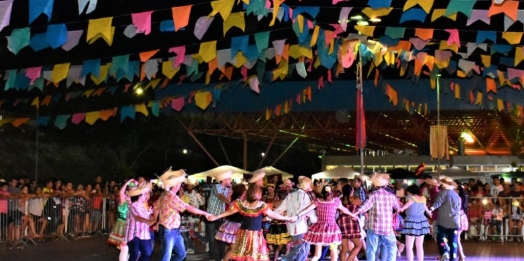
{"x":350,"y":228}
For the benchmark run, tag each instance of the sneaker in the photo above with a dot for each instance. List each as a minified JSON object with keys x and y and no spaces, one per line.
{"x":444,"y":257}
{"x":190,"y":251}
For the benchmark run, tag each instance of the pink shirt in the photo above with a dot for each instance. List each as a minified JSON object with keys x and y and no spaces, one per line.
{"x":3,"y":202}
{"x":136,"y":228}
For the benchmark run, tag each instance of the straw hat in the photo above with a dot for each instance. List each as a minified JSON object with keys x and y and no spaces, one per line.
{"x":432,"y":182}
{"x":447,"y":182}
{"x":304,"y":183}
{"x":224,"y":175}
{"x":258,"y":175}
{"x":140,"y":190}
{"x":171,"y":178}
{"x":380,"y":179}
{"x":287,"y":183}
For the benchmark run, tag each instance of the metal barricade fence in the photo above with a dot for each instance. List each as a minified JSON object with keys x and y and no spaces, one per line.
{"x":28,"y":220}
{"x":495,"y":218}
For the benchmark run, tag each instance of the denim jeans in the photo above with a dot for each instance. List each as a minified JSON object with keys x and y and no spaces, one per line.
{"x":172,"y":243}
{"x":138,"y":247}
{"x":447,"y":242}
{"x":299,"y":249}
{"x":216,"y":247}
{"x":373,"y":242}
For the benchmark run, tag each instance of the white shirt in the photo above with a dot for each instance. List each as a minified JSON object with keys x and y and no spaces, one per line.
{"x":495,"y":190}
{"x":195,"y":199}
{"x":295,"y":202}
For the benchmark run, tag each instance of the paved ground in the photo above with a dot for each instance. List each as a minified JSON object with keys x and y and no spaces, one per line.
{"x":96,"y":248}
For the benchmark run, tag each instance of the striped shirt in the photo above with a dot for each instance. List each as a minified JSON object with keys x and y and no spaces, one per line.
{"x":136,"y":228}
{"x":380,"y":205}
{"x":215,"y":206}
{"x":169,"y":207}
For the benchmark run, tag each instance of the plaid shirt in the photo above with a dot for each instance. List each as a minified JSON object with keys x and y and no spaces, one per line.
{"x":360,"y":193}
{"x":136,"y":228}
{"x":215,"y":206}
{"x":380,"y":205}
{"x":169,"y":207}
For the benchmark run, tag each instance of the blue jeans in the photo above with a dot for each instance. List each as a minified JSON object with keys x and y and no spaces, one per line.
{"x":373,"y":241}
{"x":447,"y":242}
{"x":172,"y":243}
{"x":299,"y":249}
{"x":138,"y":247}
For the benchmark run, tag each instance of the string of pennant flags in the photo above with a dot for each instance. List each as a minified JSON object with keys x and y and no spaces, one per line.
{"x":335,"y":49}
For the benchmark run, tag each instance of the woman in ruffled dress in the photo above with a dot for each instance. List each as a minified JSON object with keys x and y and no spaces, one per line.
{"x":119,"y":229}
{"x":249,"y":242}
{"x":350,"y":228}
{"x":326,"y":231}
{"x":227,"y":231}
{"x":277,"y":234}
{"x":416,"y":224}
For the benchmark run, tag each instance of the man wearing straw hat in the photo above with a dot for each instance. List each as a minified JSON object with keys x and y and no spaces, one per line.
{"x":293,"y":204}
{"x":258,"y":178}
{"x":168,"y":208}
{"x":218,"y":198}
{"x":380,"y":205}
{"x":448,"y":203}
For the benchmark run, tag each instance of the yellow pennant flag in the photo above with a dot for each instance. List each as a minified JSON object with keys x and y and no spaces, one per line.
{"x":512,"y":37}
{"x":314,"y":37}
{"x":438,"y":13}
{"x":59,"y":72}
{"x":241,"y":60}
{"x":479,"y":98}
{"x":100,"y":28}
{"x":486,"y":60}
{"x":36,"y":102}
{"x":153,"y":84}
{"x":500,"y":105}
{"x":276,"y":7}
{"x":92,"y":117}
{"x":365,"y":29}
{"x":208,"y":51}
{"x":88,"y":93}
{"x":457,"y":91}
{"x":236,"y":20}
{"x":168,"y":70}
{"x":300,"y":21}
{"x":519,"y":55}
{"x":374,"y":13}
{"x":142,"y":109}
{"x":223,"y":7}
{"x":203,"y":99}
{"x":425,"y":4}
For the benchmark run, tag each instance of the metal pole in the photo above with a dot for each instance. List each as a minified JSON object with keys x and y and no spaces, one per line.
{"x":37,"y":145}
{"x":438,"y":125}
{"x":360,"y":85}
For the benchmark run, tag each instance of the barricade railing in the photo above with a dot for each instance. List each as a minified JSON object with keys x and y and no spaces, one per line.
{"x":495,"y":218}
{"x":26,"y":220}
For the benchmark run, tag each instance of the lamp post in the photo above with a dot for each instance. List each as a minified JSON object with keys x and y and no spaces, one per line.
{"x":438,"y":125}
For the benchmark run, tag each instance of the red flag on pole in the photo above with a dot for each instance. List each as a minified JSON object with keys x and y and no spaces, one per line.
{"x":361,"y":122}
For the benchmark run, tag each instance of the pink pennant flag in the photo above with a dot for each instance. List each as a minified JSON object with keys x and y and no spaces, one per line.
{"x":243,"y":71}
{"x":33,"y":73}
{"x":253,"y":84}
{"x":298,"y":99}
{"x":142,"y":22}
{"x":320,"y":83}
{"x":338,"y":1}
{"x":181,"y":79}
{"x":126,"y":87}
{"x":178,"y":103}
{"x":78,"y":118}
{"x":311,"y":64}
{"x":190,"y":98}
{"x":5,"y":13}
{"x":453,"y":37}
{"x":180,"y":52}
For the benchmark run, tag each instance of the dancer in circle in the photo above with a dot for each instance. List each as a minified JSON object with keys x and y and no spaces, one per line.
{"x":416,"y":225}
{"x":350,"y":228}
{"x":117,"y":236}
{"x":227,"y":231}
{"x":250,"y":243}
{"x":325,"y":232}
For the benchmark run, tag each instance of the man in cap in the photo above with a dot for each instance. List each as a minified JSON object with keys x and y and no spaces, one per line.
{"x":293,"y":204}
{"x":168,"y":208}
{"x":218,"y":198}
{"x":380,"y":205}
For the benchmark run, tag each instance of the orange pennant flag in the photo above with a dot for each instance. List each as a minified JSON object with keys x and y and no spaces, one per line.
{"x":509,"y":7}
{"x":392,"y":94}
{"x":490,"y":85}
{"x":106,"y":114}
{"x":181,"y":16}
{"x":46,"y":100}
{"x":145,"y":56}
{"x":19,"y":121}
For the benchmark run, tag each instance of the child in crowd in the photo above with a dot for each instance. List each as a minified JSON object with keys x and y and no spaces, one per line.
{"x":496,"y":224}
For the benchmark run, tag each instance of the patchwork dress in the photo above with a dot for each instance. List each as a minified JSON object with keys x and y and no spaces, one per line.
{"x":325,"y":231}
{"x":250,"y":244}
{"x":227,"y":231}
{"x":119,"y":230}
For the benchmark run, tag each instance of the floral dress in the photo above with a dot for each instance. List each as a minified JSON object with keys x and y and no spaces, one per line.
{"x":250,"y":244}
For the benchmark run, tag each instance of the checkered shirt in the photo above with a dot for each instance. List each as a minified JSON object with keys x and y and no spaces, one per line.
{"x":380,"y":205}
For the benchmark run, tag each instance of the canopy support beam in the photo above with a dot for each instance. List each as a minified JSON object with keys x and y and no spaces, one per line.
{"x":267,"y":150}
{"x":190,"y":133}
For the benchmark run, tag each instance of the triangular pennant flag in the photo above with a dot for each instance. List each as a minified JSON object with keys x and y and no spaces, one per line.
{"x":181,"y":16}
{"x":19,"y":121}
{"x":142,"y":109}
{"x":100,"y":28}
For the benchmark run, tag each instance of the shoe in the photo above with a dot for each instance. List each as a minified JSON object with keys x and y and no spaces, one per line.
{"x":190,"y":251}
{"x":207,"y":247}
{"x":444,"y":257}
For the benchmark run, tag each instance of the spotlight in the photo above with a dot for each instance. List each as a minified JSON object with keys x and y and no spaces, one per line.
{"x":263,"y":154}
{"x":139,"y":91}
{"x":184,"y":151}
{"x":484,"y":201}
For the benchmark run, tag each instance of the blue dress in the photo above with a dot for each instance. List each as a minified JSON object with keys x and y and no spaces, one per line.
{"x":416,"y":223}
